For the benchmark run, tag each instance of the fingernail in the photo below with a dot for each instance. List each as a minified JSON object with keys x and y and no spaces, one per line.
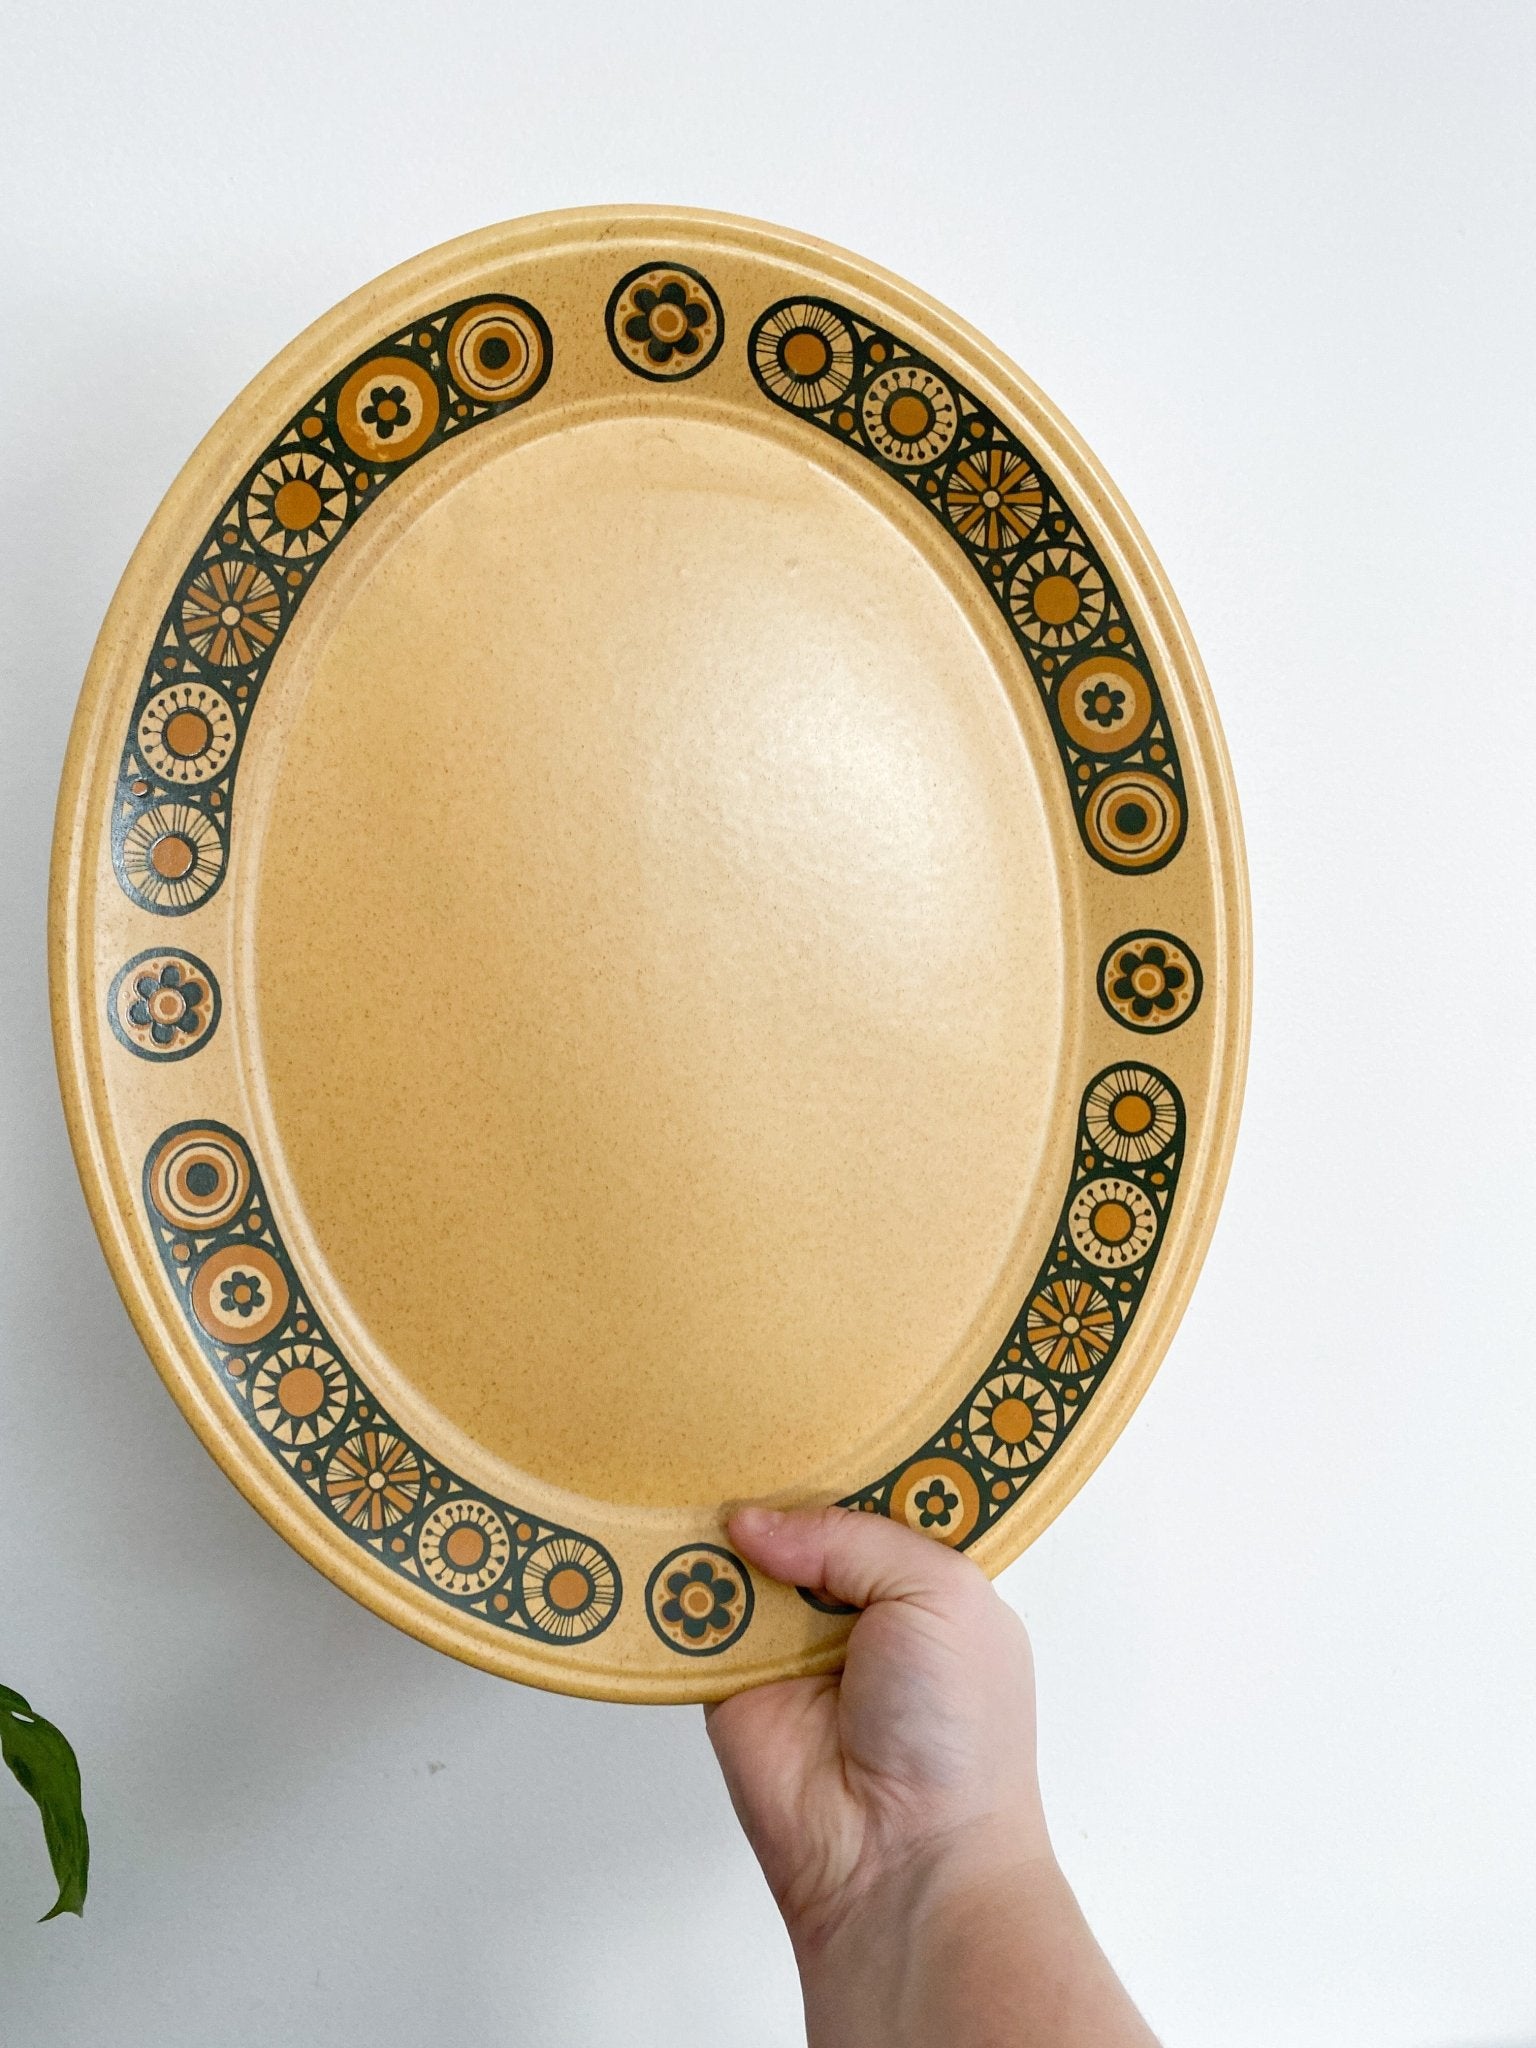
{"x":755,"y":1521}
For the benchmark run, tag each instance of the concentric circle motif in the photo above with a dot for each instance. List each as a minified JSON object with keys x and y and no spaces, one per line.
{"x":803,"y":352}
{"x":1010,"y":519}
{"x":373,"y":1480}
{"x":1104,"y":704}
{"x":1057,"y":598}
{"x":198,"y":1178}
{"x":699,"y":1600}
{"x":1013,"y":1421}
{"x":938,"y":1497}
{"x":1149,"y":980}
{"x":172,"y":857}
{"x":1131,"y":1115}
{"x":301,"y":1394}
{"x":296,"y":505}
{"x":570,"y":1588}
{"x":301,"y":1399}
{"x":994,"y":499}
{"x":231,"y":613}
{"x":163,"y":1005}
{"x":665,"y":322}
{"x":910,"y":414}
{"x":387,"y":409}
{"x":186,"y":733}
{"x":1133,"y":819}
{"x":497,"y":351}
{"x":1112,"y":1223}
{"x":464,"y":1546}
{"x":1069,"y":1326}
{"x":239,"y":1294}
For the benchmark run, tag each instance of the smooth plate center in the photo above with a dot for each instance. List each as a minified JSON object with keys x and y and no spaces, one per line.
{"x":658,"y":962}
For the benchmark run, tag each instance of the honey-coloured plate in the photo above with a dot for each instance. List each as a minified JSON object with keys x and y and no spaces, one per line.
{"x":648,"y":910}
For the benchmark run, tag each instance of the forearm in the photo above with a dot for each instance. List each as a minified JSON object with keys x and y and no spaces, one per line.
{"x":979,"y":1958}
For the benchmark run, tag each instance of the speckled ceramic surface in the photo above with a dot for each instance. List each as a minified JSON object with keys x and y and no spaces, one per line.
{"x":648,"y":910}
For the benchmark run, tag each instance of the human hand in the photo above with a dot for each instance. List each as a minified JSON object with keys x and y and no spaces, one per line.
{"x":895,"y":1807}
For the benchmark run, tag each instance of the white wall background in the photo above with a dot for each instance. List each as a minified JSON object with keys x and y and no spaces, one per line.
{"x":1275,"y":263}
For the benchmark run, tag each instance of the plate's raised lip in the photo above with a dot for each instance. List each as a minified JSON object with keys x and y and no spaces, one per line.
{"x":286,"y":380}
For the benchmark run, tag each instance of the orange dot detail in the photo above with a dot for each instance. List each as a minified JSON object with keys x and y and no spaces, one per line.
{"x":300,"y":1391}
{"x":1055,"y":600}
{"x":296,"y":504}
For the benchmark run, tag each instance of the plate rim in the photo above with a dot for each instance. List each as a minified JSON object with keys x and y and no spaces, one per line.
{"x":359,"y":317}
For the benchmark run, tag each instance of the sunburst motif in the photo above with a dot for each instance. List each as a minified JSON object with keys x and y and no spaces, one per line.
{"x":1057,"y":598}
{"x":373,"y":1479}
{"x":569,"y":1587}
{"x":804,"y":354}
{"x":231,"y":613}
{"x":173,"y":854}
{"x":1013,"y":1421}
{"x":1131,"y":1115}
{"x":993,"y":498}
{"x":296,"y":504}
{"x":1069,"y":1326}
{"x":300,"y":1394}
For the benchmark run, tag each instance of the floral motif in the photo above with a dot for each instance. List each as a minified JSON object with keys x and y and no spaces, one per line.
{"x":993,"y":498}
{"x":1149,"y":980}
{"x":1103,"y":705}
{"x":1021,"y":540}
{"x":664,"y":321}
{"x":938,"y":1497}
{"x":169,"y":1005}
{"x":241,"y":1294}
{"x":208,"y":1211}
{"x":163,"y":1005}
{"x":699,"y":1599}
{"x":387,"y":411}
{"x":1069,"y":1326}
{"x":934,"y":1503}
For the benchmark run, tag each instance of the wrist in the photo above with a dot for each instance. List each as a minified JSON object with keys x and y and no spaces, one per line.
{"x":921,"y":1941}
{"x":980,"y":1942}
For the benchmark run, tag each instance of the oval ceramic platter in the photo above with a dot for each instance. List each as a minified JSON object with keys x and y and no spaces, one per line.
{"x":648,"y":910}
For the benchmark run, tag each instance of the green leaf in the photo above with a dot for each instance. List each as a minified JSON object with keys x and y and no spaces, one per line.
{"x":44,"y":1766}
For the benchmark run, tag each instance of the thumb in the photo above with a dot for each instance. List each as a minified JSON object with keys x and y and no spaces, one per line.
{"x":854,"y":1558}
